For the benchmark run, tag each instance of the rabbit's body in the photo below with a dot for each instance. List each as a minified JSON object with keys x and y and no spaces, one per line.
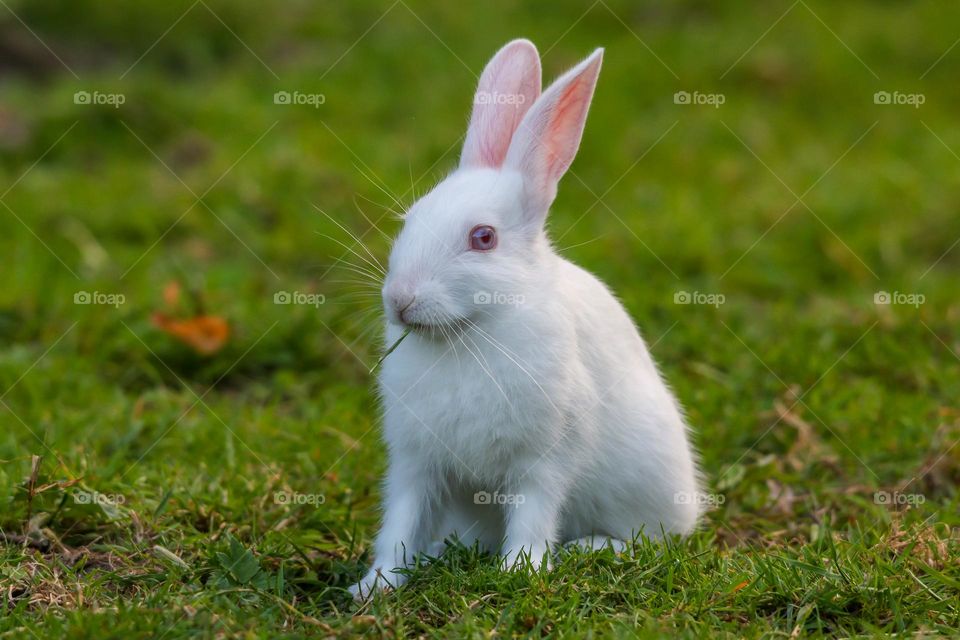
{"x":519,"y":398}
{"x":524,"y":409}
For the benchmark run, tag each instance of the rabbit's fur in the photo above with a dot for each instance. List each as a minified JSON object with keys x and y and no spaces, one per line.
{"x":524,"y":409}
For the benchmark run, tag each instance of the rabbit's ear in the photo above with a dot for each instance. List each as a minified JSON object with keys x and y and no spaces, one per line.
{"x":508,"y":88}
{"x":549,"y":135}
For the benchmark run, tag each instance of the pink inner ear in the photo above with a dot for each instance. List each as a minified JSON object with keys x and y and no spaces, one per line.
{"x":499,"y":121}
{"x":508,"y":88}
{"x":546,"y":142}
{"x":562,"y":138}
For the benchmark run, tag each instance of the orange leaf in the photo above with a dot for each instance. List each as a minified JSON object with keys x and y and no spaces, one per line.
{"x":740,"y":586}
{"x":206,"y":334}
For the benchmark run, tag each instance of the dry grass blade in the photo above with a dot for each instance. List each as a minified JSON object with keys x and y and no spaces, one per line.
{"x":390,"y":350}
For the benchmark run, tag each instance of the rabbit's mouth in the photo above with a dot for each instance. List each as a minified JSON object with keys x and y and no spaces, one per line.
{"x":446,"y":329}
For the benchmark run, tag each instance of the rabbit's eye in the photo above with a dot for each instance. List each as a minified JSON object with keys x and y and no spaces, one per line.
{"x":483,"y":237}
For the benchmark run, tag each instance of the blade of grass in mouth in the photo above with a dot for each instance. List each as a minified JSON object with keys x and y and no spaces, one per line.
{"x":390,"y":350}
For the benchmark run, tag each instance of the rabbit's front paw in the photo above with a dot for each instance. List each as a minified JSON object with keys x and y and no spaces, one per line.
{"x":524,"y":558}
{"x":375,"y":580}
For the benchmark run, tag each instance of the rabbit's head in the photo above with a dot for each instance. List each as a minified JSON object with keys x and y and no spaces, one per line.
{"x":477,"y":238}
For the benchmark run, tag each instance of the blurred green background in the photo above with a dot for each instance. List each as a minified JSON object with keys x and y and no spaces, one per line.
{"x":797,"y":199}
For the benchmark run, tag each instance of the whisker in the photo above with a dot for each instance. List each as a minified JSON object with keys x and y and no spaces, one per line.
{"x":371,"y":328}
{"x":493,"y":342}
{"x":580,"y":244}
{"x":360,"y":209}
{"x":355,"y":238}
{"x":375,"y":203}
{"x":363,"y":284}
{"x":378,"y":186}
{"x":359,"y":270}
{"x":368,"y":276}
{"x":449,"y":340}
{"x":365,"y":319}
{"x":486,"y":370}
{"x":374,"y":266}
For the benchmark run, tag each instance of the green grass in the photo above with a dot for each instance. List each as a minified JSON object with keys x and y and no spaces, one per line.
{"x":805,"y":396}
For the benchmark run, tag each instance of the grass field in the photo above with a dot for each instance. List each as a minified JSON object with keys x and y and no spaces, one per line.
{"x":151,"y":490}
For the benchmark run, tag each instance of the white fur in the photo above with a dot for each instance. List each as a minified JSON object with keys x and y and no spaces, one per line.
{"x":550,"y":398}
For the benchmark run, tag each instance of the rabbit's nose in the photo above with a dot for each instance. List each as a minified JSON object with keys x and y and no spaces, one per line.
{"x":400,"y":301}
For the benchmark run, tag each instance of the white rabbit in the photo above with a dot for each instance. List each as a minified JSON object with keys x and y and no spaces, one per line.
{"x":524,"y":409}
